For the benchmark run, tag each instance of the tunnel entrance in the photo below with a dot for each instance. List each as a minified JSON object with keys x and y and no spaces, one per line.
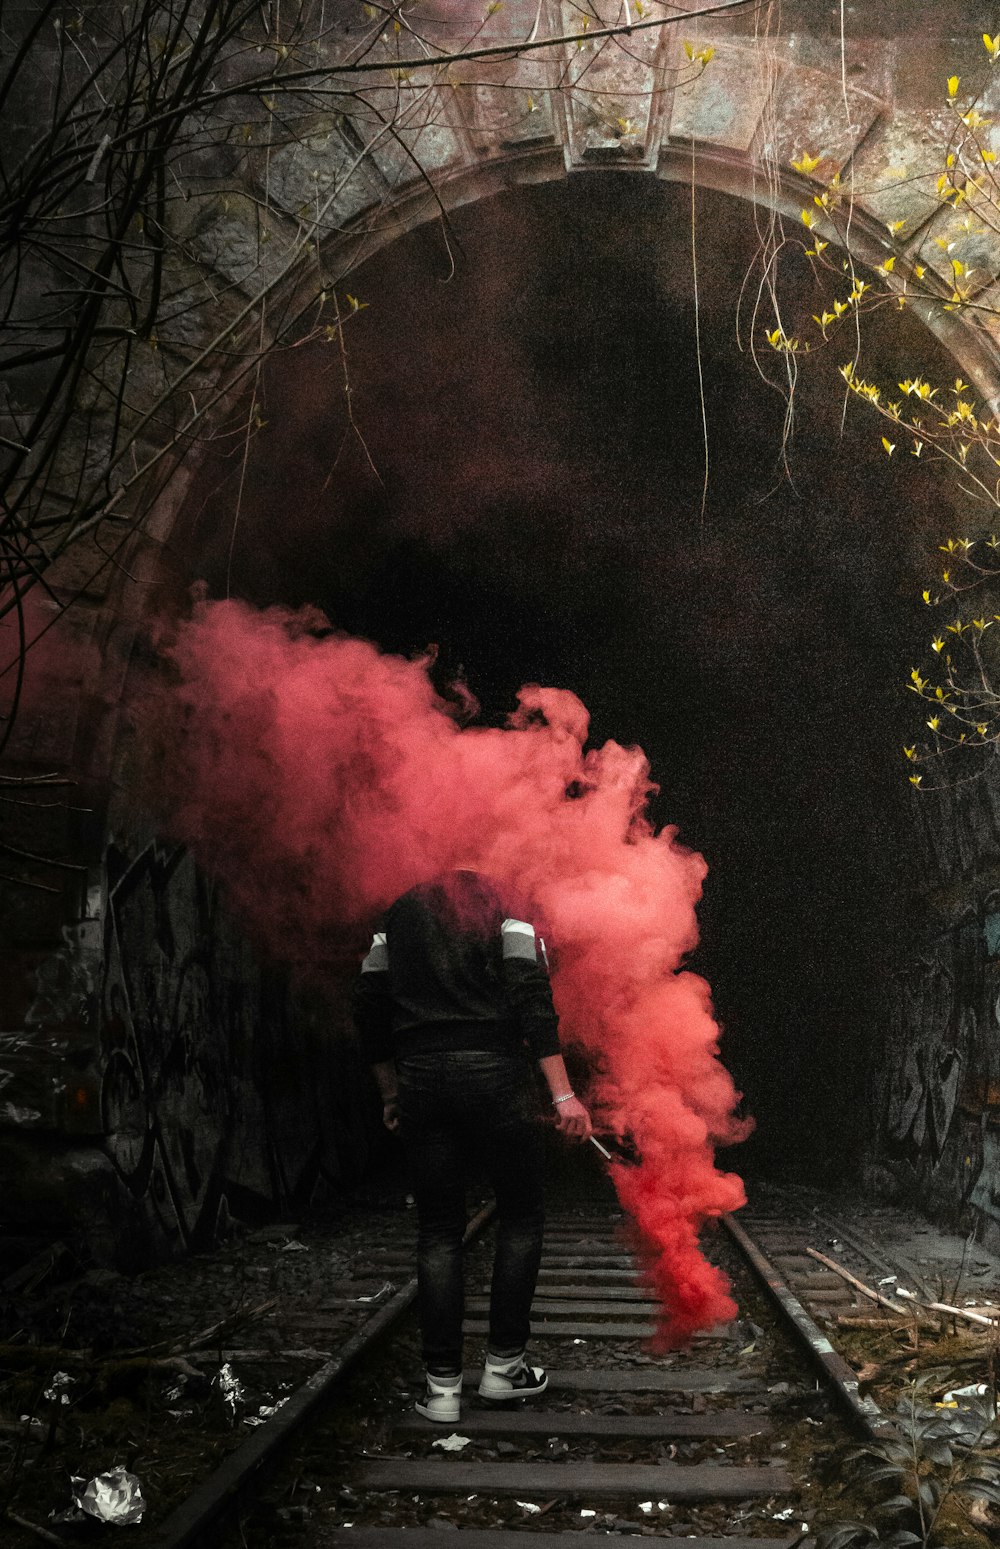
{"x":522,"y":486}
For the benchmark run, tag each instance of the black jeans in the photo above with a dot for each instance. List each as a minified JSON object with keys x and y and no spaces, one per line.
{"x":456,"y":1107}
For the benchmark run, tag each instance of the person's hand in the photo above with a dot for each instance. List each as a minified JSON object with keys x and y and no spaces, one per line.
{"x":573,"y":1120}
{"x":390,"y":1115}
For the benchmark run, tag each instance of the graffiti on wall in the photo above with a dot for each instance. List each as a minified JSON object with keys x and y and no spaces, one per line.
{"x":923,"y":1079}
{"x":221,"y":1093}
{"x":940,"y":1074}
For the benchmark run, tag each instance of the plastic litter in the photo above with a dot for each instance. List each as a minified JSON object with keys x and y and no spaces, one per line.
{"x":383,"y":1290}
{"x":974,"y":1390}
{"x":528,"y":1506}
{"x":784,"y":1516}
{"x":231,"y":1388}
{"x":452,"y":1443}
{"x":264,"y":1413}
{"x":112,"y":1497}
{"x":56,"y":1392}
{"x":646,"y":1506}
{"x":586,"y":1512}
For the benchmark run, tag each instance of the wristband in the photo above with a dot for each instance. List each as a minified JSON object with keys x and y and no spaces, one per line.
{"x":563,"y":1099}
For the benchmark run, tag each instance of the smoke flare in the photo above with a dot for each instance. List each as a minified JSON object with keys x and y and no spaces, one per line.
{"x":319,"y":778}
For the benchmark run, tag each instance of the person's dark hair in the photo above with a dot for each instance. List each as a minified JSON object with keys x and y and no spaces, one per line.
{"x":465,"y":901}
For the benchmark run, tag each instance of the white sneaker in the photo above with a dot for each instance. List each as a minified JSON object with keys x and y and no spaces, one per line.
{"x":511,"y":1377}
{"x":442,"y":1400}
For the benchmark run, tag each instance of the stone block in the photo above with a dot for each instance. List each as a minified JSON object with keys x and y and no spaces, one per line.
{"x":611,"y":99}
{"x":318,"y":177}
{"x":806,"y":118}
{"x":508,"y":116}
{"x":960,"y":235}
{"x":422,"y":140}
{"x":239,"y":242}
{"x":721,"y":105}
{"x":895,"y":171}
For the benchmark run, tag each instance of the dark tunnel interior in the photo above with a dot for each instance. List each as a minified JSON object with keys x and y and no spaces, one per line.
{"x":522,"y":486}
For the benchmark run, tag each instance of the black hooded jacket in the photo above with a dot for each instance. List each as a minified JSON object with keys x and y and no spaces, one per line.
{"x":448,"y":970}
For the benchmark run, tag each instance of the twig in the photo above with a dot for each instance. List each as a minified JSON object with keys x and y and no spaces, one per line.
{"x":866,"y":1320}
{"x":961,"y":1312}
{"x":859,"y":1285}
{"x":32,"y":1527}
{"x":175,"y":1346}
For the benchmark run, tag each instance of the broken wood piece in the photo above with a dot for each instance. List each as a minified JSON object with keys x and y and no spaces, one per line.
{"x":27,"y":1357}
{"x":963,"y":1312}
{"x":33,"y":1527}
{"x":859,"y":1285}
{"x":209,"y":1357}
{"x":887,"y":1321}
{"x":184,"y":1345}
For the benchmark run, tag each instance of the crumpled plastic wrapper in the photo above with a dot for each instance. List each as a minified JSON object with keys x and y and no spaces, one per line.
{"x":112,"y":1497}
{"x":264,"y":1413}
{"x":974,"y":1390}
{"x":231,"y":1388}
{"x":57,"y":1391}
{"x":452,"y":1443}
{"x":383,"y":1290}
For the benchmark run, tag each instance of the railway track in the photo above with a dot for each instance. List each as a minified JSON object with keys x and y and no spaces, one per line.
{"x":711,"y":1444}
{"x":724,"y":1444}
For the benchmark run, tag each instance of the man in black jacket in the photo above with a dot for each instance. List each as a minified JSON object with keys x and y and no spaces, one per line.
{"x":453,"y":1000}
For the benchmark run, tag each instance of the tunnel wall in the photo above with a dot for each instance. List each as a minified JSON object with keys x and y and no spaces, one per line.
{"x":935,"y":1098}
{"x":122,"y":1112}
{"x":158,"y":1078}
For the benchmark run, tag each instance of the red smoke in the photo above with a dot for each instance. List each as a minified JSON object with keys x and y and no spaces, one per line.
{"x":319,"y":778}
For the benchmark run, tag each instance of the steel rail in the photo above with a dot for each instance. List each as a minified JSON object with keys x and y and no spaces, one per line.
{"x":240,"y":1475}
{"x":842,"y":1378}
{"x":222,"y":1492}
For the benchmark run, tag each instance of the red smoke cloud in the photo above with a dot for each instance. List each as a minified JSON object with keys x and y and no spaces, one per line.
{"x":319,"y":778}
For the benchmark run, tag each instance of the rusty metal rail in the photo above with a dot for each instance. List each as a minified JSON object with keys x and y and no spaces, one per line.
{"x":862,"y":1410}
{"x":590,"y":1293}
{"x":219,"y":1494}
